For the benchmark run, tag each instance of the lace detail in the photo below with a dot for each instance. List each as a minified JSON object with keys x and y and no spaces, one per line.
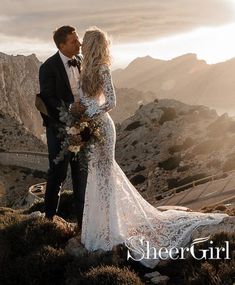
{"x":114,"y":210}
{"x":93,"y":108}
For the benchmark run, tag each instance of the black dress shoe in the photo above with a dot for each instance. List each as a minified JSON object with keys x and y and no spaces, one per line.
{"x":50,"y":218}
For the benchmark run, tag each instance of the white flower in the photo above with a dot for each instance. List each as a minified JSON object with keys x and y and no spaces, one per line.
{"x":83,"y":125}
{"x":74,"y":148}
{"x":72,"y":131}
{"x":97,"y":133}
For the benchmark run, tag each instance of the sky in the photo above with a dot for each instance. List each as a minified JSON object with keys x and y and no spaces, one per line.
{"x":160,"y":28}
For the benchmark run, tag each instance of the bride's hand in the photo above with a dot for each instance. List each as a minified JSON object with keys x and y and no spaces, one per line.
{"x":76,"y":108}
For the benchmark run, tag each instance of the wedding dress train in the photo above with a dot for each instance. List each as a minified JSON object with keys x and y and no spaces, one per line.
{"x":114,"y":211}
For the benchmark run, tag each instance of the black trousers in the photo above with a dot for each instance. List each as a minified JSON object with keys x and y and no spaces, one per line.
{"x":57,"y":174}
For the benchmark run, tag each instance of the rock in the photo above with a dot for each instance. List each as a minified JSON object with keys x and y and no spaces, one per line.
{"x":156,"y":278}
{"x":63,"y":223}
{"x":36,"y":214}
{"x":75,"y":248}
{"x":161,"y":280}
{"x":152,"y":274}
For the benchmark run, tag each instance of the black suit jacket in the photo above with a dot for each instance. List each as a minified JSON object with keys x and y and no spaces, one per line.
{"x":54,"y":87}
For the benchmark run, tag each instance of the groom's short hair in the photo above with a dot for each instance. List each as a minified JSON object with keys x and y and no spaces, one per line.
{"x":61,"y":33}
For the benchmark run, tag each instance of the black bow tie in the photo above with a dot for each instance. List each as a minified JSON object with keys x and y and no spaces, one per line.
{"x":73,"y":62}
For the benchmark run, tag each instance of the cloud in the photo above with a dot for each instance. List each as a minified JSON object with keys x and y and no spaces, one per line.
{"x":18,"y":45}
{"x":126,"y":21}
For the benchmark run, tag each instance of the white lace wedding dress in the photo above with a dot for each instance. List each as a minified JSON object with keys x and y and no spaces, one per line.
{"x":114,"y":210}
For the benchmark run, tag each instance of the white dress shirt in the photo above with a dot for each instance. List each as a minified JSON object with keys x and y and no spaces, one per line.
{"x":73,"y":75}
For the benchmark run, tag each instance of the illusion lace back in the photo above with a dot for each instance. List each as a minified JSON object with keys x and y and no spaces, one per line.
{"x":114,"y":210}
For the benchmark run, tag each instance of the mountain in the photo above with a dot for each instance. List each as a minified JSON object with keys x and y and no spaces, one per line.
{"x":168,"y":143}
{"x":19,"y":84}
{"x":184,"y":78}
{"x":18,"y":87}
{"x":128,"y":101}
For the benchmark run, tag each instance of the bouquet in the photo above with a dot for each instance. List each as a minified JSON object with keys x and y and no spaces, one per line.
{"x":77,"y":133}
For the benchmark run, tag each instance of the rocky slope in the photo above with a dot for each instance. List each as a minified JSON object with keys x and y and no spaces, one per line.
{"x":169,"y":143}
{"x":14,"y":136}
{"x":184,"y":78}
{"x":18,"y":86}
{"x":15,"y":181}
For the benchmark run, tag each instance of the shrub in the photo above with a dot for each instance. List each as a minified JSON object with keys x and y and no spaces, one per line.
{"x":28,"y":235}
{"x":133,"y":126}
{"x":106,"y":275}
{"x":175,"y":182}
{"x":74,"y":270}
{"x":175,"y":148}
{"x":172,"y":182}
{"x":211,"y":271}
{"x":137,"y":179}
{"x":139,"y":168}
{"x":45,"y":266}
{"x":32,"y":252}
{"x":170,"y":163}
{"x":192,"y":178}
{"x":39,"y":174}
{"x":191,"y":271}
{"x":134,"y":142}
{"x":183,"y":168}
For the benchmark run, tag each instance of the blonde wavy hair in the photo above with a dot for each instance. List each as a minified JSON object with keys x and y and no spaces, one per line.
{"x":96,"y":51}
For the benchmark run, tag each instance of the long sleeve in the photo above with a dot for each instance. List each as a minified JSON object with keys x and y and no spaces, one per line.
{"x":48,"y":89}
{"x":95,"y":110}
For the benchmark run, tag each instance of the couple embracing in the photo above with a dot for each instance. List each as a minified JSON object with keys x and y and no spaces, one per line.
{"x":110,"y":210}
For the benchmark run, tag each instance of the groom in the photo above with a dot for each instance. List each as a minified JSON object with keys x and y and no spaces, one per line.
{"x":58,"y":78}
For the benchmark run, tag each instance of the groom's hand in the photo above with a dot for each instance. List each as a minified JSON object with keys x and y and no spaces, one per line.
{"x":77,"y":108}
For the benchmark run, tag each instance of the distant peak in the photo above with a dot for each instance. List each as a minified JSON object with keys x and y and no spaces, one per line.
{"x":5,"y":56}
{"x":144,"y":60}
{"x":187,"y":56}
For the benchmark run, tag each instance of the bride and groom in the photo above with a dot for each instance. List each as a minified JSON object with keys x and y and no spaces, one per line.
{"x":110,"y":210}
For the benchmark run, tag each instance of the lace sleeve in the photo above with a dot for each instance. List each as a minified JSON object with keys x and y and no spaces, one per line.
{"x":109,"y":93}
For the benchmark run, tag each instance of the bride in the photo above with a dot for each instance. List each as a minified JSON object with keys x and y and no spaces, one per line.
{"x":114,"y":211}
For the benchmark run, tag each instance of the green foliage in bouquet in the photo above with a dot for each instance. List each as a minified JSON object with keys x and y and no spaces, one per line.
{"x":78,"y":134}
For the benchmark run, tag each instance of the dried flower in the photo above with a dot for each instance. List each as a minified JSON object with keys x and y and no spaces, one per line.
{"x":78,"y":134}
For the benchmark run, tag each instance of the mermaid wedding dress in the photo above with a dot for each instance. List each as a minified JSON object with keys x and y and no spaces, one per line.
{"x":114,"y":211}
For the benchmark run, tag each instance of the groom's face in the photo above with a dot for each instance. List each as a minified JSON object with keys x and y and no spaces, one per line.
{"x":72,"y":45}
